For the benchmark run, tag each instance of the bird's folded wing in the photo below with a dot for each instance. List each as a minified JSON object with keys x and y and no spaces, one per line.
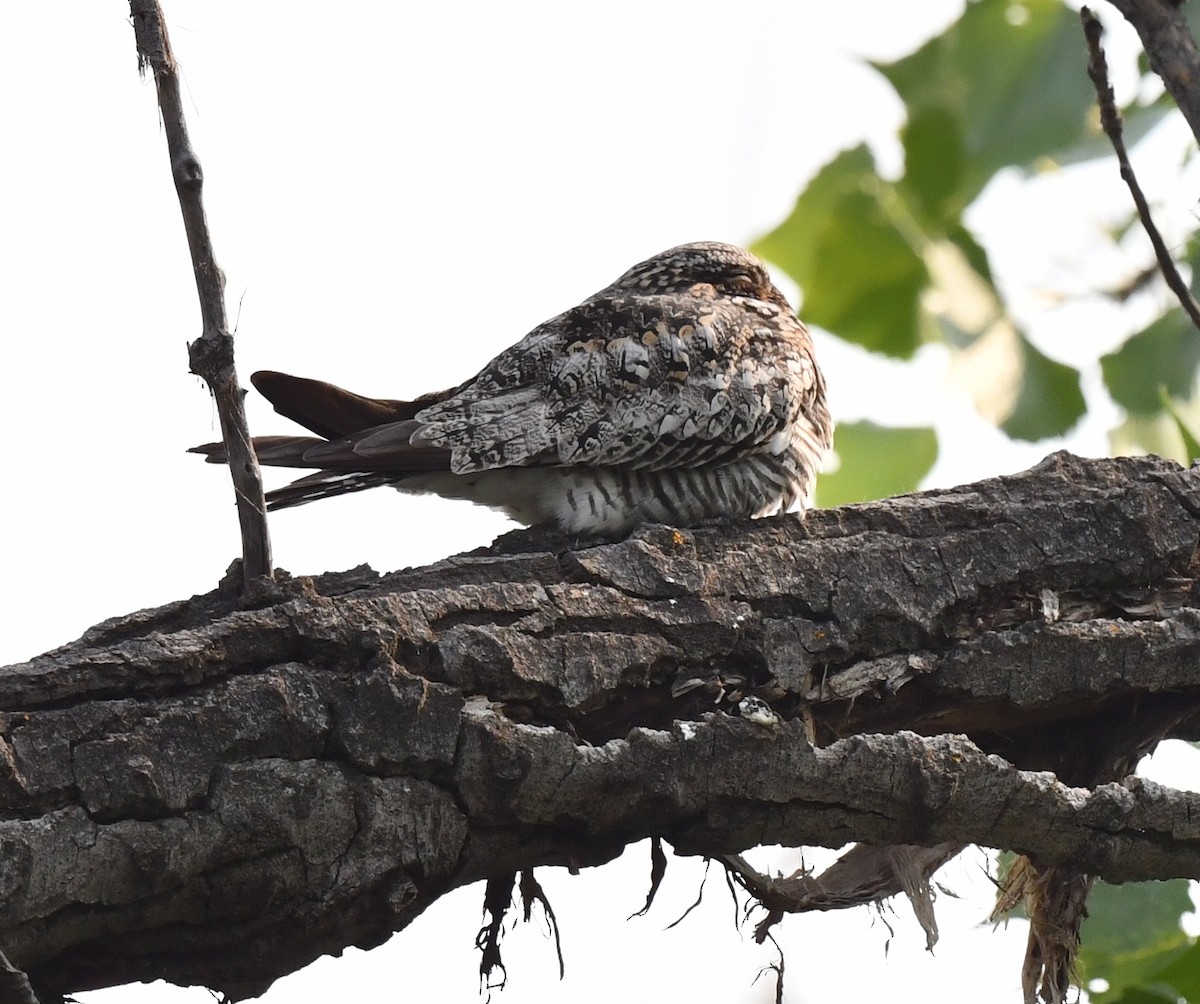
{"x":682,"y":381}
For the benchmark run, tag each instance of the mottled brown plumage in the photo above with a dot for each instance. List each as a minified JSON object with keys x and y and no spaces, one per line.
{"x":686,"y":391}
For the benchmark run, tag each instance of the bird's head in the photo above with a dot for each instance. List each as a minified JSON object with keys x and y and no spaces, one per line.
{"x":729,"y":269}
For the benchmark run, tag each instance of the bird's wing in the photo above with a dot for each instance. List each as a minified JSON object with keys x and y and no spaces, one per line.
{"x":635,"y":380}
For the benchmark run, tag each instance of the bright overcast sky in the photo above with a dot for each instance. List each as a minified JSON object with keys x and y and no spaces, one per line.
{"x":397,"y":191}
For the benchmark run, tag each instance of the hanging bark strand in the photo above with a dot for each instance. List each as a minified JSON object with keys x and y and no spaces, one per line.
{"x":218,"y":795}
{"x":210,"y":355}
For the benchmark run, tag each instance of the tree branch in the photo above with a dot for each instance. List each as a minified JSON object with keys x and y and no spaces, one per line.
{"x":210,"y":355}
{"x":242,"y":790}
{"x":1168,"y":42}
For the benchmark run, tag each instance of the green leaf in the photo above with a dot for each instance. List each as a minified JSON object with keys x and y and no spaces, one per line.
{"x":973,"y":251}
{"x":1137,"y":121}
{"x":1142,"y":977}
{"x":1132,"y":939}
{"x":790,"y":245}
{"x":1050,"y":400}
{"x":1182,"y":974}
{"x":1163,"y":356}
{"x":1191,"y":443}
{"x":934,"y":165}
{"x":1012,"y":75}
{"x":876,"y":461}
{"x":1140,"y":995}
{"x":1161,"y":434}
{"x":1126,"y":918}
{"x":1191,"y":256}
{"x":1192,"y":16}
{"x":859,"y":273}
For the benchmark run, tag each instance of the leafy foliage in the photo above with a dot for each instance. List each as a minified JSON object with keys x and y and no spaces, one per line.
{"x":1190,"y":438}
{"x":844,"y":245}
{"x":1132,"y":940}
{"x":890,"y":265}
{"x":1050,"y":401}
{"x":887,"y":461}
{"x":1163,"y":356}
{"x":1009,"y":78}
{"x":1152,"y":374}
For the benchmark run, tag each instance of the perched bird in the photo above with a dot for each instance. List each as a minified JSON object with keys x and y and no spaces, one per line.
{"x":684,"y":392}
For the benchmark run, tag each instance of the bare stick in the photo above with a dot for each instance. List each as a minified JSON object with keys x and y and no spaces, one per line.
{"x":1110,"y":119}
{"x":210,"y":355}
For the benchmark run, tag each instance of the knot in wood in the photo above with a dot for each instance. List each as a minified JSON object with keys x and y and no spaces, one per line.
{"x":189,"y":175}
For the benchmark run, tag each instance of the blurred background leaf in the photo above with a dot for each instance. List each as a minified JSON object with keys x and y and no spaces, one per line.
{"x":1162,"y":357}
{"x":1050,"y":401}
{"x":875,"y":461}
{"x":893,"y":264}
{"x":1187,"y":432}
{"x":842,"y":221}
{"x":1132,"y":938}
{"x":1009,"y":77}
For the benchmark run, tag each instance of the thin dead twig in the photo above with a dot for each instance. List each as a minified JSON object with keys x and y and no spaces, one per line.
{"x":210,"y":355}
{"x":1110,"y":120}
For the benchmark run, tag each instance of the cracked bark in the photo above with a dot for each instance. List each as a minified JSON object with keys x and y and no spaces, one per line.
{"x":223,"y":789}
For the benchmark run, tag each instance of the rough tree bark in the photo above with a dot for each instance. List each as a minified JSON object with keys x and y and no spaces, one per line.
{"x":220,"y":791}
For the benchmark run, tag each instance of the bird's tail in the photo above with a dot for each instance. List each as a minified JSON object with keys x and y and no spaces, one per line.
{"x":272,"y":451}
{"x":363,"y":442}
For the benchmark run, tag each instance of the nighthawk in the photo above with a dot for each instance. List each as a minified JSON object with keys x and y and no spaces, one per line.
{"x":684,"y":392}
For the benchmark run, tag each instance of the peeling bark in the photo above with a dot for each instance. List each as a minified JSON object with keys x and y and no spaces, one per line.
{"x":221,"y":790}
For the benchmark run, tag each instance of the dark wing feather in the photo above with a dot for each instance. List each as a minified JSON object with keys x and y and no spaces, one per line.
{"x":330,"y":411}
{"x":323,"y":485}
{"x":385,"y":448}
{"x":272,"y":451}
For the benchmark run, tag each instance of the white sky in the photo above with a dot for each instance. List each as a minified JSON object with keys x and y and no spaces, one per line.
{"x":396,"y":192}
